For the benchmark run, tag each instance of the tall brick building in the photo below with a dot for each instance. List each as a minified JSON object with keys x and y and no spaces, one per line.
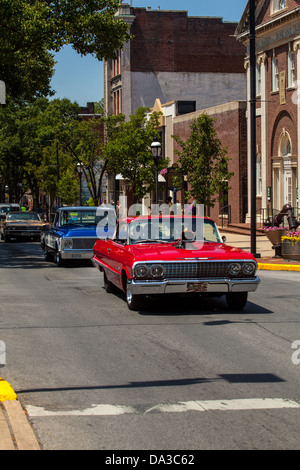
{"x":277,"y":101}
{"x":195,"y":61}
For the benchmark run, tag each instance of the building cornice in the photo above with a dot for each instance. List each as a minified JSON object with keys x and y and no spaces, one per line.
{"x":271,"y":24}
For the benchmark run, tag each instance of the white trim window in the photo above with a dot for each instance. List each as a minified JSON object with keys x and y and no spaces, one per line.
{"x":279,"y":5}
{"x":275,"y":74}
{"x":258,"y":79}
{"x":258,"y":175}
{"x":291,"y":69}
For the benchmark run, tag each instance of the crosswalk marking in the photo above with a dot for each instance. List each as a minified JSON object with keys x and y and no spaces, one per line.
{"x":243,"y":404}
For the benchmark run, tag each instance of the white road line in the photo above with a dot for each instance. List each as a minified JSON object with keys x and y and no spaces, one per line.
{"x":95,"y":410}
{"x":243,"y":404}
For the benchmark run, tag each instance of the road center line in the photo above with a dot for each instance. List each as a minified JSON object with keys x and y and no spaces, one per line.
{"x":243,"y":404}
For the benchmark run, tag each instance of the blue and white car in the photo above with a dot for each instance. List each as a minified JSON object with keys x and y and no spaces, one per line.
{"x":74,"y":232}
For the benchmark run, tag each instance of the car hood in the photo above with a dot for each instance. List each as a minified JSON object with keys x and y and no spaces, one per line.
{"x":206,"y":251}
{"x":81,"y":232}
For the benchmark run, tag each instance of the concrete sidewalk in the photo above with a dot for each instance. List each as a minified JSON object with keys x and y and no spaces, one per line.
{"x":267,"y":258}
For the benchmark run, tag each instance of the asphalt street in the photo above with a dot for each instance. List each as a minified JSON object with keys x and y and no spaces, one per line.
{"x":178,"y":375}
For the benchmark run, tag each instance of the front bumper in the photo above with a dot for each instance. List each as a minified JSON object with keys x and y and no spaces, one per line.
{"x":76,"y":254}
{"x":22,"y":233}
{"x":174,"y":286}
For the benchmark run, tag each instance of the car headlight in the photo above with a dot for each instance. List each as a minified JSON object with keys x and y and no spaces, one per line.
{"x":234,"y":268}
{"x":156,"y":270}
{"x":141,"y":270}
{"x":248,"y":268}
{"x":67,"y":243}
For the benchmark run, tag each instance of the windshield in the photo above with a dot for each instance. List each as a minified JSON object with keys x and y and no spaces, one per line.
{"x":170,"y":230}
{"x":82,"y":217}
{"x":23,"y":216}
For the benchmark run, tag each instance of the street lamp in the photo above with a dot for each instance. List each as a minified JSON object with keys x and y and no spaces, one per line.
{"x":156,"y":153}
{"x":80,"y":171}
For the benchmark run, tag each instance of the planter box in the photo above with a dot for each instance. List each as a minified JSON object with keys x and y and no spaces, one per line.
{"x":275,"y":235}
{"x":290,"y":249}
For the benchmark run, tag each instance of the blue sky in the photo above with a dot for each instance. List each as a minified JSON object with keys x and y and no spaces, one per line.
{"x":81,"y":78}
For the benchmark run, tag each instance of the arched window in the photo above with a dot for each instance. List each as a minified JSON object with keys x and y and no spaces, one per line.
{"x":278,"y":5}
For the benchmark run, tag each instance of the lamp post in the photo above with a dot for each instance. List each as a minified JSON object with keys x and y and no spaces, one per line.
{"x":156,"y":153}
{"x":252,"y":124}
{"x":80,"y":170}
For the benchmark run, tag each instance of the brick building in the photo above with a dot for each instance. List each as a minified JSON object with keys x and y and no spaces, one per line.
{"x":231,"y":128}
{"x":192,"y":64}
{"x":195,"y":61}
{"x":277,"y":101}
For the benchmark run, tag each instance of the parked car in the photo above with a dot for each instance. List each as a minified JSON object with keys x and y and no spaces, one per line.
{"x":177,"y":254}
{"x":74,"y":232}
{"x":21,"y":225}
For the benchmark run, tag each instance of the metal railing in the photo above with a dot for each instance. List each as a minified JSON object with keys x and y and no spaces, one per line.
{"x":225,"y":214}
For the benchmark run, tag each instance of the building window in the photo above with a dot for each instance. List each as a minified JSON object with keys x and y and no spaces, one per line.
{"x":291,"y":69}
{"x":275,"y":74}
{"x":116,"y":65}
{"x":279,"y":5}
{"x":258,"y":79}
{"x":117,"y":102}
{"x":258,"y":176}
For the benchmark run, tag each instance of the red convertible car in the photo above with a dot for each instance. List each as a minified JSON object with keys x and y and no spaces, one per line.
{"x":174,"y":255}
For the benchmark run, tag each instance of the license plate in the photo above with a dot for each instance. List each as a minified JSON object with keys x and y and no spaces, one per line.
{"x":76,"y":255}
{"x":197,"y":287}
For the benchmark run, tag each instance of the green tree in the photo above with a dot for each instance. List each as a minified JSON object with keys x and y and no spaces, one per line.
{"x":204,"y":161}
{"x":128,"y":151}
{"x":32,"y":30}
{"x":30,"y":145}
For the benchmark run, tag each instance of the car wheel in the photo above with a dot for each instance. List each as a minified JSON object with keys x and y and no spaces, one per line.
{"x":236,"y":300}
{"x":7,"y":239}
{"x":134,"y":302}
{"x":48,"y":256}
{"x":108,"y":286}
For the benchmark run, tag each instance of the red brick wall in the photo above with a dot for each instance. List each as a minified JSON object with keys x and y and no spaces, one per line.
{"x":231,"y":129}
{"x":279,"y":115}
{"x":171,"y":41}
{"x":265,"y":14}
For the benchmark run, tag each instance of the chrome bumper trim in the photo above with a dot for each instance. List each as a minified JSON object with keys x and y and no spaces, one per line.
{"x":76,"y":254}
{"x":179,"y":286}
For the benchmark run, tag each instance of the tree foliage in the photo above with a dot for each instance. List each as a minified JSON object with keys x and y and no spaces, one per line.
{"x":128,"y":150}
{"x":32,"y":30}
{"x":204,"y":161}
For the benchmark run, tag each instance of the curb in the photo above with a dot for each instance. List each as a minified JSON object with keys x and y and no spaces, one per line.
{"x":16,"y":432}
{"x":278,"y":267}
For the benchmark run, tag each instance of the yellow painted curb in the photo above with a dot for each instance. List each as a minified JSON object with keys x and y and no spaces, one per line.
{"x":6,"y":391}
{"x":279,"y":267}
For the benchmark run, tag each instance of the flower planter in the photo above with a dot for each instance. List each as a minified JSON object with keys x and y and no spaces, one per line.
{"x":290,"y":249}
{"x":274,"y":237}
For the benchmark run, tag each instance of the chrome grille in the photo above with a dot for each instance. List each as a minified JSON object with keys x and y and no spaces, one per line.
{"x":197,"y":270}
{"x":83,"y":243}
